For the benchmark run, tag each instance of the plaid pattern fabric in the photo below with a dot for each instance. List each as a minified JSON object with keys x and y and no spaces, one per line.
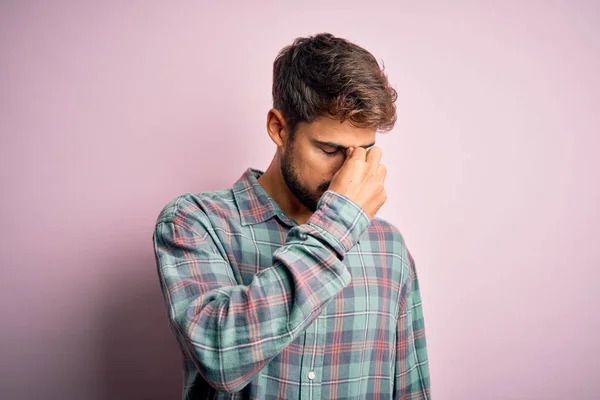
{"x":264,"y":308}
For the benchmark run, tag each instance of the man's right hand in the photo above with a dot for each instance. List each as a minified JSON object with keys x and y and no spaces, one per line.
{"x":361,"y":179}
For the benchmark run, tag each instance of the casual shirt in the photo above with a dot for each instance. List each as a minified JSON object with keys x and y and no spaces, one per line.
{"x":265,"y":308}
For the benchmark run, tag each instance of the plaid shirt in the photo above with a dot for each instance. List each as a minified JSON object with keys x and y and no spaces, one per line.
{"x":265,"y":308}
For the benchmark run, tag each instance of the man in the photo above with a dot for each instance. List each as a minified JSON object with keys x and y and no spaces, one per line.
{"x":286,"y":286}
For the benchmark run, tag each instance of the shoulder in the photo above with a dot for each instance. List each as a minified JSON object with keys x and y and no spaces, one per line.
{"x":387,"y":236}
{"x":191,"y":209}
{"x":381,"y":229}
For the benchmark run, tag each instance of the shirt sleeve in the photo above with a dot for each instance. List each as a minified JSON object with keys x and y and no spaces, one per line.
{"x":231,"y":331}
{"x":412,"y":379}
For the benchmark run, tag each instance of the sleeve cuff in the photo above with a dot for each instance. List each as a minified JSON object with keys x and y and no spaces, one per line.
{"x":341,"y":219}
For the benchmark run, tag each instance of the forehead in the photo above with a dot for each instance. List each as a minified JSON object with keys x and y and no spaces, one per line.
{"x":328,"y":130}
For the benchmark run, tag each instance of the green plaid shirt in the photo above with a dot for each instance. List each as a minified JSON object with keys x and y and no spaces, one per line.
{"x":264,"y":308}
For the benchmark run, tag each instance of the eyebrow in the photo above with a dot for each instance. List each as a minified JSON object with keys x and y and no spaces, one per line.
{"x":339,"y":146}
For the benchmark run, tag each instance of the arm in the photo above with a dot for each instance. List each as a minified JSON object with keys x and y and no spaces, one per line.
{"x":232,"y":331}
{"x":412,"y":364}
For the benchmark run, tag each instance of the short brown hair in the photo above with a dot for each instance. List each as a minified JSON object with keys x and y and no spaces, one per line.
{"x":323,"y":75}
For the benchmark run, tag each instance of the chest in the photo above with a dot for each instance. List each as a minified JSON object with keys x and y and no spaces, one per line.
{"x":376,"y":269}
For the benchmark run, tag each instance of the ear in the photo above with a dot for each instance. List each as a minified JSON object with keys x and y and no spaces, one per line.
{"x":276,"y":127}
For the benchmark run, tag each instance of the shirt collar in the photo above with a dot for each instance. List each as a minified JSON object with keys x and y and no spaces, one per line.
{"x":253,"y":202}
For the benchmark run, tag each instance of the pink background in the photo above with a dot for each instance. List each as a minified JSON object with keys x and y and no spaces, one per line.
{"x":110,"y":109}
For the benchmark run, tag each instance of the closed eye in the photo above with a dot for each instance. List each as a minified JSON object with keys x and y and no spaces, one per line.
{"x":330,"y":153}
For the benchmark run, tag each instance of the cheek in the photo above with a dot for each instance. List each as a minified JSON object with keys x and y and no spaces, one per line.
{"x":325,"y":167}
{"x":329,"y":166}
{"x":314,"y":163}
{"x":315,"y":167}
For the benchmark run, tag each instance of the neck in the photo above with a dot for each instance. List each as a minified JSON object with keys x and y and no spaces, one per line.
{"x":273,"y":183}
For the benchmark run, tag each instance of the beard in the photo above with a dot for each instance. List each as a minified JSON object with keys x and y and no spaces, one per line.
{"x":307,"y":197}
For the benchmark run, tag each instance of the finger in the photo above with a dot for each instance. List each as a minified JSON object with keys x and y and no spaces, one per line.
{"x":374,"y":159}
{"x":381,"y":172}
{"x":359,"y":153}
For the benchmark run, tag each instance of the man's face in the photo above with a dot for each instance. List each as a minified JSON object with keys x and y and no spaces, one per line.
{"x":316,"y":153}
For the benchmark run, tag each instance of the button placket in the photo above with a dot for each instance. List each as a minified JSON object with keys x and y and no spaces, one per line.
{"x":312,"y":361}
{"x":318,"y":355}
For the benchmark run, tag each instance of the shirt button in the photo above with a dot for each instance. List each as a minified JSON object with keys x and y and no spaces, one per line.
{"x":311,"y":375}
